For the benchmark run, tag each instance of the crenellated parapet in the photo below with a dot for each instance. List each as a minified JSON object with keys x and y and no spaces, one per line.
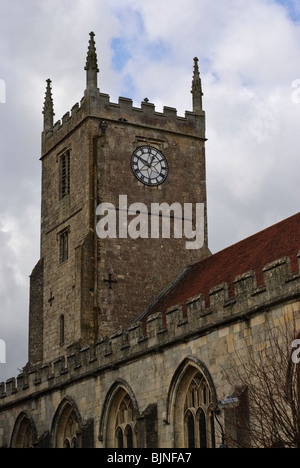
{"x":162,"y":330}
{"x":123,"y":113}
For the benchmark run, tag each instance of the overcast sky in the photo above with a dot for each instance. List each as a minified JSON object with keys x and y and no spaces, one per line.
{"x":249,"y":54}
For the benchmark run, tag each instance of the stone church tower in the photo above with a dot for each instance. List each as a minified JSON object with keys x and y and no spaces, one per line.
{"x":85,"y":287}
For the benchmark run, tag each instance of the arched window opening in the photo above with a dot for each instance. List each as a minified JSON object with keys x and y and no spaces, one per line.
{"x":25,"y":438}
{"x":129,"y":437}
{"x":199,"y":429}
{"x":125,"y":424}
{"x":118,"y":422}
{"x":67,"y":426}
{"x":191,"y":399}
{"x":202,"y":430}
{"x":70,"y":431}
{"x":190,"y":430}
{"x":24,"y":434}
{"x":120,"y":438}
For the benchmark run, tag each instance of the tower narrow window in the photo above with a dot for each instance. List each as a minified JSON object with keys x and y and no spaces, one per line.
{"x":64,"y":245}
{"x":65,"y":175}
{"x":62,"y":330}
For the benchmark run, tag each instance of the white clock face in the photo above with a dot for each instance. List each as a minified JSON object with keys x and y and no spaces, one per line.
{"x":149,"y":166}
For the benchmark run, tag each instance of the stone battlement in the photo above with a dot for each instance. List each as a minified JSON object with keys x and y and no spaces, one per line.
{"x":123,"y":112}
{"x":161,"y":331}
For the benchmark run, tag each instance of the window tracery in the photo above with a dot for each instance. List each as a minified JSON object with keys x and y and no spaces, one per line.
{"x":67,"y":426}
{"x":70,"y":432}
{"x":198,"y":414}
{"x":125,"y":424}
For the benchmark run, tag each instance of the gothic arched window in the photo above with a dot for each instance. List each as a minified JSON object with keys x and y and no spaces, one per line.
{"x":70,"y":431}
{"x":198,"y":411}
{"x":190,"y":429}
{"x":67,"y":426}
{"x":118,"y":422}
{"x":125,"y":424}
{"x":191,"y":401}
{"x":24,"y":434}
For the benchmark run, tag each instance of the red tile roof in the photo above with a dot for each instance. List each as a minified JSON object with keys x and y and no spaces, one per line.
{"x":253,"y":253}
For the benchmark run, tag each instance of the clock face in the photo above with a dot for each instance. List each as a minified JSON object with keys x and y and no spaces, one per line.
{"x":149,"y":166}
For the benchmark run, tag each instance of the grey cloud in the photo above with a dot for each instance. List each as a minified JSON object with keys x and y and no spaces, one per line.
{"x":252,"y":152}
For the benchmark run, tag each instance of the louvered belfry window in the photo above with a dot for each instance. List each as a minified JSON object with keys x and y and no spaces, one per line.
{"x":65,"y":175}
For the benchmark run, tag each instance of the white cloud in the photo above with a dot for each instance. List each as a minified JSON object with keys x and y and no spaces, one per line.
{"x":249,"y":58}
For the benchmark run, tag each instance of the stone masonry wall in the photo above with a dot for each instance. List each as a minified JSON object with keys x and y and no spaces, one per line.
{"x":147,"y":358}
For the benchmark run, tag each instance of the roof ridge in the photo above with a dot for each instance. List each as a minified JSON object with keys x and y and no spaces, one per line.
{"x":250,"y":237}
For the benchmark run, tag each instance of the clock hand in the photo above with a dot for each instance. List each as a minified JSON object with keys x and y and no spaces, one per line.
{"x":154,"y":169}
{"x":145,"y":162}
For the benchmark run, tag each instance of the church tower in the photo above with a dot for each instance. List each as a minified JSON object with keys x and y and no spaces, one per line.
{"x":86,"y":286}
